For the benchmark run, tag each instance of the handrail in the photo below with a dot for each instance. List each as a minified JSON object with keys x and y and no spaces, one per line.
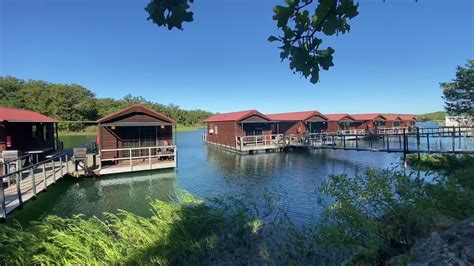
{"x":258,"y":139}
{"x":34,"y":165}
{"x":138,"y":148}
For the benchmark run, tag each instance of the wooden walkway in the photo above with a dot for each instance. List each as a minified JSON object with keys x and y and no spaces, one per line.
{"x":25,"y":184}
{"x":447,"y":140}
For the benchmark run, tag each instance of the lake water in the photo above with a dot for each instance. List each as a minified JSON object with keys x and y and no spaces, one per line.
{"x":292,"y":178}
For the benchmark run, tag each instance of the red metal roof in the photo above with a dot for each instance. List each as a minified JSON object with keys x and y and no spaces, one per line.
{"x":338,"y":117}
{"x":235,"y":116}
{"x":21,"y":115}
{"x":407,"y":117}
{"x":392,"y":117}
{"x":136,"y":108}
{"x":296,"y":116}
{"x":364,"y":117}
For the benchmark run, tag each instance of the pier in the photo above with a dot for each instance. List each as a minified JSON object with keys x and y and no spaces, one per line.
{"x":21,"y":184}
{"x":446,"y":140}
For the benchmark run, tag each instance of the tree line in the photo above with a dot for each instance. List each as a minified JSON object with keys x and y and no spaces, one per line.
{"x":73,"y":102}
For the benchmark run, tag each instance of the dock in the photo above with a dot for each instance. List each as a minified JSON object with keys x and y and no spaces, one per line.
{"x":440,"y":140}
{"x":24,"y":184}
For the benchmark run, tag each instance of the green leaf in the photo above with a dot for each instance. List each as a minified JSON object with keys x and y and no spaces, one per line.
{"x":282,"y":15}
{"x":272,"y":38}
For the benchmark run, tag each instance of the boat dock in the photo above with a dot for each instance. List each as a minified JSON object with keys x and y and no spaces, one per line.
{"x":447,"y":140}
{"x":25,"y":183}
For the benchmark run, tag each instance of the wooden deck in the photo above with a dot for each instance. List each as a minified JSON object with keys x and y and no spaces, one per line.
{"x":136,"y":165}
{"x":137,"y":159}
{"x":29,"y":191}
{"x":22,"y":185}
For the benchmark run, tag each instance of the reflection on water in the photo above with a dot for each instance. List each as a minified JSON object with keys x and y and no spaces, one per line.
{"x":75,"y":141}
{"x":94,"y":196}
{"x":292,"y":178}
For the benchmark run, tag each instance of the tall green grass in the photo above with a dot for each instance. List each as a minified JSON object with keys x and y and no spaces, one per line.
{"x":186,"y":232}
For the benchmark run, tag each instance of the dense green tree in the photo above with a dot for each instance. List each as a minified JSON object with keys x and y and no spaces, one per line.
{"x":302,"y":23}
{"x":72,"y":102}
{"x":459,"y":94}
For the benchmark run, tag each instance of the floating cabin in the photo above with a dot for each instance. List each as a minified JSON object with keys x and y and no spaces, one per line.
{"x":244,"y":131}
{"x":27,"y":132}
{"x":407,"y":120}
{"x":340,"y":123}
{"x":393,"y":121}
{"x":296,"y":126}
{"x":368,"y":123}
{"x":135,"y":139}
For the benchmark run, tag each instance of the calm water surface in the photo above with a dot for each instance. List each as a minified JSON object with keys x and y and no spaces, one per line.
{"x":206,"y":171}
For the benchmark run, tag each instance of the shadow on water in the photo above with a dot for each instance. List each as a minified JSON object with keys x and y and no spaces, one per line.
{"x":94,"y":196}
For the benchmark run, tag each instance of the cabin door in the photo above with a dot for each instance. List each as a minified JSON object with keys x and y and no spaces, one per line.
{"x":316,"y":127}
{"x":137,"y":137}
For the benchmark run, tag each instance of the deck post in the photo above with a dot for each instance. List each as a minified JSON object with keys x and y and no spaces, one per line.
{"x":453,"y":137}
{"x":61,"y":165}
{"x":54,"y":171}
{"x":6,"y":170}
{"x":45,"y":180}
{"x":18,"y":168}
{"x":33,"y":182}
{"x":405,"y":148}
{"x":400,"y":141}
{"x":344,"y":141}
{"x":357,"y":142}
{"x":418,"y":141}
{"x":18,"y":189}
{"x":428,"y":141}
{"x":3,"y":211}
{"x":67,"y":163}
{"x":149,"y":156}
{"x":130,"y":157}
{"x":388,"y":143}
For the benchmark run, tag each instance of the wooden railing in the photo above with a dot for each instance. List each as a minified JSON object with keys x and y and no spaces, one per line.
{"x":359,"y":132}
{"x":392,"y":130}
{"x":143,"y":153}
{"x":259,"y":141}
{"x":29,"y":181}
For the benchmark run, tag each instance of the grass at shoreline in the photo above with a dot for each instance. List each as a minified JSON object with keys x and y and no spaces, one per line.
{"x":90,"y":133}
{"x":188,"y":128}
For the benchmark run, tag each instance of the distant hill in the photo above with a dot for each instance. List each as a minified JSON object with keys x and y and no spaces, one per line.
{"x":436,"y":116}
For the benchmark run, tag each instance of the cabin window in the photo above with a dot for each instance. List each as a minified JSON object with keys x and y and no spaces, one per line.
{"x":45,"y":132}
{"x":34,"y":131}
{"x":215,"y":130}
{"x":256,"y":132}
{"x":396,"y":123}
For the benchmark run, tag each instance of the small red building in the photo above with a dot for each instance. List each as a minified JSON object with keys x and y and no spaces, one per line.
{"x":393,"y":120}
{"x":407,"y":120}
{"x":300,"y":123}
{"x":339,"y":122}
{"x":136,"y":138}
{"x":25,"y":131}
{"x":244,"y":130}
{"x":369,"y":122}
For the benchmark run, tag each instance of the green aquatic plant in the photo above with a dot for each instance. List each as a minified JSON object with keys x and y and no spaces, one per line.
{"x":382,"y":213}
{"x":183,"y":232}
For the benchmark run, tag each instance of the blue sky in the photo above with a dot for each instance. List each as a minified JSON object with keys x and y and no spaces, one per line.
{"x":392,"y":60}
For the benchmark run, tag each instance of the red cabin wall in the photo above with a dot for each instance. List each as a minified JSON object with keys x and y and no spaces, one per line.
{"x":226,"y":132}
{"x":291,"y":127}
{"x":333,"y":126}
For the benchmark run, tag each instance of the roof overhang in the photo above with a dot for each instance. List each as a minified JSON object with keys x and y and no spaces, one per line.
{"x":316,"y":118}
{"x":28,"y":121}
{"x":135,"y":124}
